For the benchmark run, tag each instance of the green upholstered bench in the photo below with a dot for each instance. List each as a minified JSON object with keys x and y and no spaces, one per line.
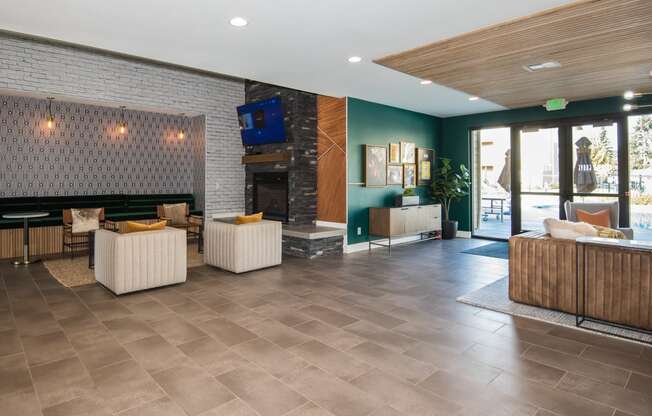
{"x":117,"y":207}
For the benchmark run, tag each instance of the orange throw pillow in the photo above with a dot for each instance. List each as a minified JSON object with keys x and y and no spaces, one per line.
{"x":133,"y":227}
{"x":600,"y":218}
{"x":246,"y":219}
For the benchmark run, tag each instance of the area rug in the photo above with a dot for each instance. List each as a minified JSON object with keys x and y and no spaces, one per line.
{"x":495,"y":297}
{"x":499,"y":250}
{"x":75,"y":272}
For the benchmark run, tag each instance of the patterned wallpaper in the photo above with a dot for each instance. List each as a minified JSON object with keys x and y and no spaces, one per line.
{"x":84,"y":154}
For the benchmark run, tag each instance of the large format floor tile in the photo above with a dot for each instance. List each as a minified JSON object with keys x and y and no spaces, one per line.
{"x":365,"y":334}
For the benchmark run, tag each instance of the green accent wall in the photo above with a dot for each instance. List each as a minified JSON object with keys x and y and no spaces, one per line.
{"x":455,"y":134}
{"x":371,"y":123}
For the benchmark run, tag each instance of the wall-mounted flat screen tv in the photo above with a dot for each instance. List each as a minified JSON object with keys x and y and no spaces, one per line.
{"x":262,"y":122}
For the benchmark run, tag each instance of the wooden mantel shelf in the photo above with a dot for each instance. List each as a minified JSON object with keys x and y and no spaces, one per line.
{"x":266,"y":158}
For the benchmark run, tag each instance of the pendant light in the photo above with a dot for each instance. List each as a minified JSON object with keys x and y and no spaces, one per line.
{"x":50,"y":118}
{"x":182,"y":132}
{"x":122,"y":126}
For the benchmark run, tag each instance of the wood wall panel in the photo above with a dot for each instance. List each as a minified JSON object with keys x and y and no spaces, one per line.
{"x":331,"y":159}
{"x":604,"y":47}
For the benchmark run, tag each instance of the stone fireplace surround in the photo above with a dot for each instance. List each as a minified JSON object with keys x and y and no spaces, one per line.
{"x":301,"y":237}
{"x":300,"y":110}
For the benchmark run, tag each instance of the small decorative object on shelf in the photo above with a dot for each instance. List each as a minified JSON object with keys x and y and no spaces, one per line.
{"x":409,"y":197}
{"x":449,"y":186}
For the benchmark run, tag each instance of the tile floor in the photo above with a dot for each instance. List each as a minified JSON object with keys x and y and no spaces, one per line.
{"x":359,"y":335}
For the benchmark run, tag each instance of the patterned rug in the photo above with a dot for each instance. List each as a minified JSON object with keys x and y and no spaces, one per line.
{"x":495,"y":297}
{"x":499,"y":250}
{"x":75,"y":272}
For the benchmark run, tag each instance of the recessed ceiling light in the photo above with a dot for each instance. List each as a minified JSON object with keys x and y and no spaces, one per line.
{"x":628,"y":107}
{"x":542,"y":65}
{"x":238,"y":22}
{"x":474,"y":98}
{"x":628,"y":95}
{"x":355,"y":59}
{"x":426,"y":82}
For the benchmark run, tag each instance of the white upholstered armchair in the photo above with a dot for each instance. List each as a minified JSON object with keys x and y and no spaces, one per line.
{"x":244,"y":247}
{"x":141,"y":260}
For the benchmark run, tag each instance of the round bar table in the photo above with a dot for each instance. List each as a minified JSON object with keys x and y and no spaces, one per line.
{"x":25,"y":216}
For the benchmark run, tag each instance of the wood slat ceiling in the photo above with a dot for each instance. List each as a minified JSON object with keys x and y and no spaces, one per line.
{"x":604,"y":47}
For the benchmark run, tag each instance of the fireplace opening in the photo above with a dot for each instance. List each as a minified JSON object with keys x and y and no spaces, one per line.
{"x":271,"y":195}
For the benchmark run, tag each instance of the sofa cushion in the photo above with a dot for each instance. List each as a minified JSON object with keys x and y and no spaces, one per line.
{"x":568,"y":230}
{"x":176,"y":213}
{"x":84,"y":220}
{"x":600,"y":218}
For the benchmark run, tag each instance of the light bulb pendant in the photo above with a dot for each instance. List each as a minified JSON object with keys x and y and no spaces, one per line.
{"x":50,"y":118}
{"x":182,"y":134}
{"x":122,"y":126}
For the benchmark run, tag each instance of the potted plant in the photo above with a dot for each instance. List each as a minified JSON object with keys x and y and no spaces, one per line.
{"x":448,"y":186}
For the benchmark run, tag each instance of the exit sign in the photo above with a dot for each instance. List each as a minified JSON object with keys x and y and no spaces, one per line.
{"x":556,"y":104}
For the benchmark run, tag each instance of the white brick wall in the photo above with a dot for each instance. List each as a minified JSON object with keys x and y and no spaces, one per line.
{"x":43,"y":68}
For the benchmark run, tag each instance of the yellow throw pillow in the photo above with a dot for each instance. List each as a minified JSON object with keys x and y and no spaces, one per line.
{"x":609,"y":232}
{"x":133,"y":227}
{"x":247,"y":219}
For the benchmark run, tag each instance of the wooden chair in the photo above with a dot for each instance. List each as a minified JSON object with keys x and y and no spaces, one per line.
{"x":193,"y":224}
{"x":74,"y":241}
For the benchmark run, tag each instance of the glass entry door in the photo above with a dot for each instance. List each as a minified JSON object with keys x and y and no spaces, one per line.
{"x":569,"y":161}
{"x":640,"y":175}
{"x":539,"y":195}
{"x":491,"y":170}
{"x":595,"y":162}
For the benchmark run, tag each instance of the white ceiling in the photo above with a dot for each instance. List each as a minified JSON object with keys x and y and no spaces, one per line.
{"x":302,"y":44}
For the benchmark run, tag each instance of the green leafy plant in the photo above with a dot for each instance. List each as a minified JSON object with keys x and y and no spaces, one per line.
{"x":449,"y":185}
{"x":409,"y":192}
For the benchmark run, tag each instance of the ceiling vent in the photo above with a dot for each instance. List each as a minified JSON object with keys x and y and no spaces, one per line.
{"x":541,"y":66}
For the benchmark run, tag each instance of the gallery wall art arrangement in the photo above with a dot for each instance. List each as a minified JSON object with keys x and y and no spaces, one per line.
{"x":400,"y":163}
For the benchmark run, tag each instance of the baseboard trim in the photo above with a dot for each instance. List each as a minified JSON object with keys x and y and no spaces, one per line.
{"x":464,"y":234}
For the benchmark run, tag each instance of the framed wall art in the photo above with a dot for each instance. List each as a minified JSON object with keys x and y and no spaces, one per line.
{"x":394,"y":174}
{"x":409,"y":175}
{"x":408,"y":150}
{"x":375,"y":162}
{"x":394,"y":153}
{"x":425,"y":163}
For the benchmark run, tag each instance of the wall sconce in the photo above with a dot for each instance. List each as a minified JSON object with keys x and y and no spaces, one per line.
{"x":50,"y":118}
{"x":122,"y":126}
{"x":182,"y":131}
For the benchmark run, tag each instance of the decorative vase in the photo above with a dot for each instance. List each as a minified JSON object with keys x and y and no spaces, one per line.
{"x":449,"y":230}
